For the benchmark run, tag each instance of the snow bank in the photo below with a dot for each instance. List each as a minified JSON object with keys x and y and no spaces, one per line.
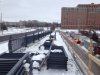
{"x":16,"y":30}
{"x":24,"y":61}
{"x":56,"y":50}
{"x":35,"y":64}
{"x":4,"y":47}
{"x":70,"y":30}
{"x":38,"y":57}
{"x":27,"y":65}
{"x":43,"y":51}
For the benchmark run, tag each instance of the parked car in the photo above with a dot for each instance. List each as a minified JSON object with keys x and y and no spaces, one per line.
{"x":76,"y":40}
{"x":97,"y":50}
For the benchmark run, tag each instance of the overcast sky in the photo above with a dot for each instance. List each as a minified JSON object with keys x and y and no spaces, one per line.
{"x":42,"y":10}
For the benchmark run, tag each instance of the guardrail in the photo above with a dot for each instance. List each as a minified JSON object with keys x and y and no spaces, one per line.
{"x":13,"y":63}
{"x":20,"y":42}
{"x":84,"y":57}
{"x":16,"y":35}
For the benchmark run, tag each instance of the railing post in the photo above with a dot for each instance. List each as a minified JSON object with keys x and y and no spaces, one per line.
{"x":10,"y":44}
{"x":30,"y":61}
{"x":25,"y":39}
{"x":33,"y":37}
{"x":55,"y":35}
{"x":38,"y":34}
{"x":43,"y":33}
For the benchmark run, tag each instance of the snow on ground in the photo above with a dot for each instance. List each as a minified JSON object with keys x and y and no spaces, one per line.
{"x":72,"y":67}
{"x":15,"y":30}
{"x":4,"y":47}
{"x":98,"y":31}
{"x":70,"y":30}
{"x":35,"y":47}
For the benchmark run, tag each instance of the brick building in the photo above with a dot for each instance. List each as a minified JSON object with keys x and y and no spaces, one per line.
{"x":84,"y":16}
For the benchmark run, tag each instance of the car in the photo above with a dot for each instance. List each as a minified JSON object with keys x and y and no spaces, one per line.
{"x":76,"y":40}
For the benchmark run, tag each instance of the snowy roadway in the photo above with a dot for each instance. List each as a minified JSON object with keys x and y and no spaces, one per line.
{"x":15,"y":30}
{"x":72,"y":66}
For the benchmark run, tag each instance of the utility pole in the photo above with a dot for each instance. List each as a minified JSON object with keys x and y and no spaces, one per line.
{"x":1,"y":23}
{"x":1,"y":19}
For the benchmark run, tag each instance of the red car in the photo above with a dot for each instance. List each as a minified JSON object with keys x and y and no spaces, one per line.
{"x":76,"y":41}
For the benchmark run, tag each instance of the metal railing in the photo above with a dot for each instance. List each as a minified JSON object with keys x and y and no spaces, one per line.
{"x":13,"y":63}
{"x":17,"y":43}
